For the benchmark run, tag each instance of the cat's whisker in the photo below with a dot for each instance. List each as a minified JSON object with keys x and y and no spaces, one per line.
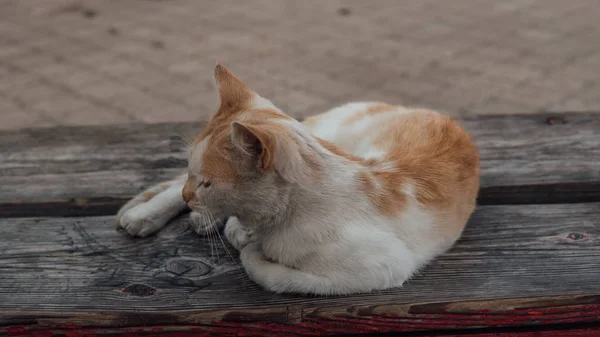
{"x":218,"y":253}
{"x":211,"y":239}
{"x":214,"y":247}
{"x":221,"y":239}
{"x":181,"y":142}
{"x":185,"y":139}
{"x":226,"y":249}
{"x":206,"y":237}
{"x":211,"y":231}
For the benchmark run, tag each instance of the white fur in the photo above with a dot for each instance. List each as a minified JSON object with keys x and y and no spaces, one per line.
{"x":337,"y":242}
{"x":196,"y":154}
{"x":259,"y":102}
{"x":147,"y":218}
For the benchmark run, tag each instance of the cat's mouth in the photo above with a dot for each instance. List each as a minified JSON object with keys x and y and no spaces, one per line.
{"x":195,"y":206}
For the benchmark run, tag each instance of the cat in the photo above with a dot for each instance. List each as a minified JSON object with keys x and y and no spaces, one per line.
{"x":350,"y":201}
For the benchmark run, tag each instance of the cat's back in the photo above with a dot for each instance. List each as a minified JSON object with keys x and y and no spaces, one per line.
{"x":425,"y":149}
{"x":379,"y":131}
{"x":415,"y":156}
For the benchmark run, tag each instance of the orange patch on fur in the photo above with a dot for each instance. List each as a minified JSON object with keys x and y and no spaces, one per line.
{"x":148,"y":194}
{"x":265,"y":115}
{"x":216,"y":160}
{"x":383,"y":190}
{"x":333,"y":148}
{"x":377,"y":108}
{"x":312,"y":121}
{"x":223,"y":120}
{"x":371,"y":110}
{"x":433,"y":154}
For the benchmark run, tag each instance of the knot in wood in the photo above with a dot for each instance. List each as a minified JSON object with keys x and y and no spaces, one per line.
{"x":139,"y":290}
{"x":187,"y":267}
{"x":575,"y":236}
{"x":555,"y":120}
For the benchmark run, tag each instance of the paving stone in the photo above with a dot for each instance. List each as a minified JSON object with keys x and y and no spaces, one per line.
{"x":122,"y":61}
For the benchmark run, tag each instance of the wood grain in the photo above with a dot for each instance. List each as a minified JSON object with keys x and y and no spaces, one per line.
{"x":79,"y":171}
{"x":514,"y":266}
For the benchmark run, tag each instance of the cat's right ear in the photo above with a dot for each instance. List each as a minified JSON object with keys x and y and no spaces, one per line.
{"x":271,"y":148}
{"x":254,"y":143}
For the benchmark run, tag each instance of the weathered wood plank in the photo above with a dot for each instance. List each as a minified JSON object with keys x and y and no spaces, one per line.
{"x":93,"y":170}
{"x":515,"y":265}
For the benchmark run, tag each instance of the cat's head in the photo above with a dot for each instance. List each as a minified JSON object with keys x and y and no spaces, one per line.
{"x":248,"y":156}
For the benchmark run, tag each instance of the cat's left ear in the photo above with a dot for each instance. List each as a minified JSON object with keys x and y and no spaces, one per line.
{"x":233,"y":92}
{"x":235,"y":95}
{"x":272,"y":148}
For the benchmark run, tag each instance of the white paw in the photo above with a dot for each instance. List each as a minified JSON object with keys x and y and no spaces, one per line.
{"x":139,"y":223}
{"x":123,"y":210}
{"x":252,"y":255}
{"x":236,"y":234}
{"x":257,"y":267}
{"x":202,"y":224}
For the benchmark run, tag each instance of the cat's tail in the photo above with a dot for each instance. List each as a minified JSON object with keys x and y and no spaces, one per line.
{"x":283,"y":279}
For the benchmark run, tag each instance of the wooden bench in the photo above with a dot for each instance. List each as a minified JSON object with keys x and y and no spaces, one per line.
{"x":528,"y":263}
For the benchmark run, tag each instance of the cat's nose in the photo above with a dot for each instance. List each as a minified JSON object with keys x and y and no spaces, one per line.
{"x":188,"y":192}
{"x":187,"y":196}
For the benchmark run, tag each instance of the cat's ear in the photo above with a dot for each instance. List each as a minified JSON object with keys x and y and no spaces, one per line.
{"x":272,"y":148}
{"x":254,"y":143}
{"x":235,"y":95}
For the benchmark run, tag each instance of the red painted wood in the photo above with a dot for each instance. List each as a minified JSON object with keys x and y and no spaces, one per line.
{"x":246,"y":331}
{"x":534,"y":313}
{"x":312,"y":325}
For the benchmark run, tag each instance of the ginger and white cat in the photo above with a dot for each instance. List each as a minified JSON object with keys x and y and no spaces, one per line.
{"x":352,"y":200}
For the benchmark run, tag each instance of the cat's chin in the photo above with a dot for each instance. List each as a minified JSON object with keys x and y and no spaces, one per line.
{"x":205,"y":211}
{"x":197,"y":208}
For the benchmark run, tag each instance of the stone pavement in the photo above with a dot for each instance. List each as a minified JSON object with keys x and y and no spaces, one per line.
{"x":116,"y":61}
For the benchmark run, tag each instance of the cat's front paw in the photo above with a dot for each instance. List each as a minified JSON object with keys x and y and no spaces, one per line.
{"x":251,"y":255}
{"x":204,"y":224}
{"x":139,"y":223}
{"x":125,"y":208}
{"x":236,"y":234}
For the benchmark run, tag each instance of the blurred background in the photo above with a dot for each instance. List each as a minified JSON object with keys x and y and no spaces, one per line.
{"x":107,"y":61}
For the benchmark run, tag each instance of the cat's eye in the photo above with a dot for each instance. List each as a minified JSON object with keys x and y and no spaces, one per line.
{"x":204,"y":183}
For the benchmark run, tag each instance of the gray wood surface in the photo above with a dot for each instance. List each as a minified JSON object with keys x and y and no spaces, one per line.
{"x":93,"y":170}
{"x":58,"y":270}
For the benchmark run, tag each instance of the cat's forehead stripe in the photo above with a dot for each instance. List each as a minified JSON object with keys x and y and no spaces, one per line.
{"x":198,"y":151}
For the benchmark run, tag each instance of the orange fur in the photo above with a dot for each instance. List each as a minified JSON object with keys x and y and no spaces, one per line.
{"x":236,"y":104}
{"x":335,"y":149}
{"x":312,"y":120}
{"x":148,"y":194}
{"x":372,"y":110}
{"x":436,"y":156}
{"x":189,"y":189}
